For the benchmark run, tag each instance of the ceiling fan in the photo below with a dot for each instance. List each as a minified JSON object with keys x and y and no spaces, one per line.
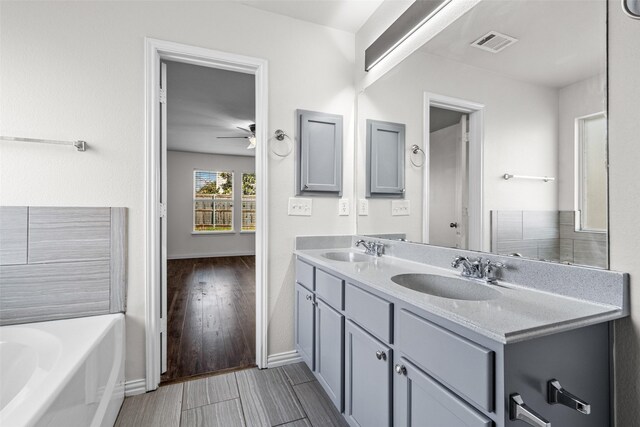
{"x":251,"y":136}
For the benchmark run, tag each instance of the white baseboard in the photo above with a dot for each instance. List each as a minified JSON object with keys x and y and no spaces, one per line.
{"x":212,"y":255}
{"x":133,"y":387}
{"x":280,"y":359}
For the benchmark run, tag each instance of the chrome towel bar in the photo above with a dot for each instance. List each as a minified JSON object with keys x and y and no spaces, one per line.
{"x":80,"y":145}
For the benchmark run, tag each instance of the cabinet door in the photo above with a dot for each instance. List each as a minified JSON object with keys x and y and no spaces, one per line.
{"x":330,"y":351}
{"x":368,"y":379}
{"x":304,"y":325}
{"x":320,"y":154}
{"x":420,"y":401}
{"x":385,"y":159}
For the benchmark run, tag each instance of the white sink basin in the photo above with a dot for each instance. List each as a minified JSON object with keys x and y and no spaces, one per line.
{"x":348,"y":257}
{"x":446,"y":287}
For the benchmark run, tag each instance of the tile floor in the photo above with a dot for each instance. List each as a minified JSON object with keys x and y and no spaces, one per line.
{"x":288,"y":396}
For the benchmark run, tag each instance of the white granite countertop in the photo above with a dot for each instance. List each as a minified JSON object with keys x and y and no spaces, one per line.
{"x":518,"y":314}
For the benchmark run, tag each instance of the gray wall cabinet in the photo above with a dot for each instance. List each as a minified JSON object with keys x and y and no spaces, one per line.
{"x":385,"y":159}
{"x":386,"y":362}
{"x":368,"y":384}
{"x":319,"y":155}
{"x":304,"y":325}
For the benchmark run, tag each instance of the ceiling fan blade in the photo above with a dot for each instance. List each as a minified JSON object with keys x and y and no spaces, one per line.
{"x":244,"y":129}
{"x":232,"y":137}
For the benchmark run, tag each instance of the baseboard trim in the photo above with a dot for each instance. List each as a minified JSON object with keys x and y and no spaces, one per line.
{"x":214,"y":255}
{"x":134,"y":387}
{"x":280,"y":359}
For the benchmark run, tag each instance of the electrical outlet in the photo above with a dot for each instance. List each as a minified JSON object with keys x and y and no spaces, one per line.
{"x":400,"y":208}
{"x":343,"y":207}
{"x":363,"y":207}
{"x":299,"y":207}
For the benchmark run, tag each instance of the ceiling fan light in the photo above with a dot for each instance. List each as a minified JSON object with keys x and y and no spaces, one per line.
{"x":252,"y":143}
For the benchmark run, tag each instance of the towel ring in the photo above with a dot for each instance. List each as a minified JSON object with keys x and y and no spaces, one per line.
{"x":415,"y":150}
{"x":280,"y":135}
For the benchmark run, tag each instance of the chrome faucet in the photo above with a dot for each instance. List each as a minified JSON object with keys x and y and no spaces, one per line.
{"x":371,"y":247}
{"x":477,"y":268}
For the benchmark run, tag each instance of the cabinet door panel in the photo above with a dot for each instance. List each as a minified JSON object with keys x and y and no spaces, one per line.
{"x":385,"y":159}
{"x":368,"y":379}
{"x":320,"y":161}
{"x":330,"y":351}
{"x":304,"y":325}
{"x":420,"y":401}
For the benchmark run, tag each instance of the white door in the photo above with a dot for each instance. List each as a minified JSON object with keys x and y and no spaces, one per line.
{"x":163,"y":217}
{"x":462,"y":188}
{"x":443,"y":176}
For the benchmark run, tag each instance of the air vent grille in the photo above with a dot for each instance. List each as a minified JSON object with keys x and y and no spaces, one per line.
{"x":494,"y":42}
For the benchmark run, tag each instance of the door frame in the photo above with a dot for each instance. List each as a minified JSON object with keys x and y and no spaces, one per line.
{"x":155,"y":51}
{"x":476,"y":163}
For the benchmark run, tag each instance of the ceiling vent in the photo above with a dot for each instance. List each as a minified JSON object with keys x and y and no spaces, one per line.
{"x":494,"y":42}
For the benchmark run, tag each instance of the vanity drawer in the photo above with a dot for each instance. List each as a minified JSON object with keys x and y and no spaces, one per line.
{"x":304,"y":274}
{"x":457,"y":362}
{"x":369,"y":311}
{"x":330,"y":289}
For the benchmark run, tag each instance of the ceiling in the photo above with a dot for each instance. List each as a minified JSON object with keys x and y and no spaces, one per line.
{"x":346,"y":15}
{"x":204,"y":103}
{"x":560,"y":42}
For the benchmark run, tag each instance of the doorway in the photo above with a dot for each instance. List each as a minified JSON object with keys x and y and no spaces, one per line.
{"x":453,"y":141}
{"x":448,"y":178}
{"x":211,"y":220}
{"x":211,"y":271}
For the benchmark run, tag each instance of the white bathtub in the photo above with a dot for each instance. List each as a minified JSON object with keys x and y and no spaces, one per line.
{"x":62,"y":373}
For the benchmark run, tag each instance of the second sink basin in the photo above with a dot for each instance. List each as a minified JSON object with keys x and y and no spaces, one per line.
{"x":347,"y":257}
{"x":446,"y":287}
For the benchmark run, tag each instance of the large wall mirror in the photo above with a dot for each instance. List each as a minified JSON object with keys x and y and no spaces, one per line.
{"x":507,"y":106}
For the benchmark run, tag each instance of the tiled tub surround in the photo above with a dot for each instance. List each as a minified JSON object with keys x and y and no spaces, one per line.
{"x":538,"y":298}
{"x":548,"y":235}
{"x":61,"y":262}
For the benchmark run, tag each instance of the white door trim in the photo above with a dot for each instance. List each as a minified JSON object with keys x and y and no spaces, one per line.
{"x":476,"y":162}
{"x":156,"y":50}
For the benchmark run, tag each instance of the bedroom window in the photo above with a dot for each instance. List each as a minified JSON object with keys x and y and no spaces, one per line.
{"x":212,"y":201}
{"x":248,"y":202}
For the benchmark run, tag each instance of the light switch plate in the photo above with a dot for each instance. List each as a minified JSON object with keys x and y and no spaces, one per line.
{"x":400,"y":207}
{"x":299,"y":206}
{"x":363,"y":207}
{"x":343,"y":207}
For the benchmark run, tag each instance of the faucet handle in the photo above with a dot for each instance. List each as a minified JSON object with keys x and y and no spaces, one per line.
{"x":491,"y":268}
{"x":457,"y":260}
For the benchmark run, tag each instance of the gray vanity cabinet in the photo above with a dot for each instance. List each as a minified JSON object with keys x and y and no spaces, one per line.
{"x":385,"y":159}
{"x":304,"y":324}
{"x":319,"y":157}
{"x":368,"y":379}
{"x":329,"y":351}
{"x":420,"y":401}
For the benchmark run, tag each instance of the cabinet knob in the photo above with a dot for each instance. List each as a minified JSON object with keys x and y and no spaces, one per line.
{"x":401,"y":370}
{"x":309,"y":297}
{"x":381,"y":355}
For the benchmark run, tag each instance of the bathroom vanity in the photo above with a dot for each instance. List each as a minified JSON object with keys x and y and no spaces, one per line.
{"x":404,"y":343}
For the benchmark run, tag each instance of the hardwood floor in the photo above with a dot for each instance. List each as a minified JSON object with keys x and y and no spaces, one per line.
{"x":210,"y":316}
{"x":288,"y":396}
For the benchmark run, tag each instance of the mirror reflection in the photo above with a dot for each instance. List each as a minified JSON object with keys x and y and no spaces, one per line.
{"x":504,"y":132}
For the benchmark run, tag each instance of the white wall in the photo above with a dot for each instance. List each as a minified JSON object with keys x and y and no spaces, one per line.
{"x":624,"y":199}
{"x":520,"y":136}
{"x":577,"y":100}
{"x":71,"y":70}
{"x":181,"y":243}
